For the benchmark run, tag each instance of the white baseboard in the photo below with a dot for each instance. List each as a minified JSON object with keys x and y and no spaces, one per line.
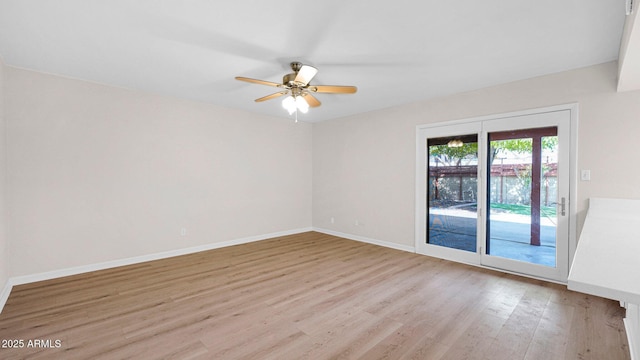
{"x":26,"y":279}
{"x":631,"y":340}
{"x":4,"y":295}
{"x":632,"y":328}
{"x":387,"y":244}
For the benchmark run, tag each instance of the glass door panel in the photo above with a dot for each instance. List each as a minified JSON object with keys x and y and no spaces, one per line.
{"x":522,"y":195}
{"x":498,"y":196}
{"x":452,"y":192}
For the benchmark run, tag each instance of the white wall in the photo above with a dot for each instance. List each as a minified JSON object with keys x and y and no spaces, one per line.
{"x":4,"y":257}
{"x":629,"y":54}
{"x":364,"y":165}
{"x":98,"y":173}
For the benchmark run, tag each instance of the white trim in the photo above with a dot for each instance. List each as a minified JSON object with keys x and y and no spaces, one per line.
{"x":632,"y":327}
{"x":630,"y":339}
{"x":471,"y":128}
{"x":26,"y":279}
{"x":561,"y":119}
{"x":573,"y":180}
{"x":4,"y":295}
{"x":359,"y":238}
{"x":553,"y":108}
{"x":528,"y":276}
{"x":19,"y":280}
{"x":443,"y":126}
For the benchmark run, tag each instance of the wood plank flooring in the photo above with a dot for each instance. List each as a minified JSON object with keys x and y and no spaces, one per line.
{"x":308,"y":296}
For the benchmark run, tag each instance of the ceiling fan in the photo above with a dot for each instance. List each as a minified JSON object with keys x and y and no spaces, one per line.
{"x":297,"y":86}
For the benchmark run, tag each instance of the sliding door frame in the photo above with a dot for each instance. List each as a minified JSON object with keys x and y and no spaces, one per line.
{"x":470,"y":126}
{"x":435,"y":131}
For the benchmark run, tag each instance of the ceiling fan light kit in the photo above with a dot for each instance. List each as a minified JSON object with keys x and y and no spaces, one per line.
{"x":296,"y":86}
{"x":293,"y":104}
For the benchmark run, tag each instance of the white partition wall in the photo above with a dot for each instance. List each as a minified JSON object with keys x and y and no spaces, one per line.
{"x":606,"y":260}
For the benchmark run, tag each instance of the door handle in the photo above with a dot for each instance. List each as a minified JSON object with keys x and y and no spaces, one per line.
{"x":563,"y":205}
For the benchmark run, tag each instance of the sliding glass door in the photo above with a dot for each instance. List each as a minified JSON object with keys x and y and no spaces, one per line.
{"x":453,"y":191}
{"x":495,"y":192}
{"x":523,"y":194}
{"x":527,"y":192}
{"x":450,"y":174}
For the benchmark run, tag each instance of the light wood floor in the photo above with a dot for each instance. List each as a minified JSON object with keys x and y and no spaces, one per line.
{"x":309,"y":296}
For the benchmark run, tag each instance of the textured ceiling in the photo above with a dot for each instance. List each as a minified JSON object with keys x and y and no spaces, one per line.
{"x":395,"y":52}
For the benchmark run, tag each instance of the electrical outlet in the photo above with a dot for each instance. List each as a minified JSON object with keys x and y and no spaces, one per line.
{"x":333,"y":221}
{"x":183,"y":232}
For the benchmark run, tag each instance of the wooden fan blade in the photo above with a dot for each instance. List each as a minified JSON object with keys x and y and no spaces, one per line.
{"x":256,"y":81}
{"x":305,"y":74}
{"x":311,"y":100}
{"x":333,"y":89}
{"x":272,"y":96}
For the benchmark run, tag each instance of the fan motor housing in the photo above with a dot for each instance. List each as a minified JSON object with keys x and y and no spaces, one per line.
{"x":289,"y":79}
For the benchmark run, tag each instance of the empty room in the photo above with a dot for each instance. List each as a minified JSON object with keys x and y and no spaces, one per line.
{"x":329,"y":180}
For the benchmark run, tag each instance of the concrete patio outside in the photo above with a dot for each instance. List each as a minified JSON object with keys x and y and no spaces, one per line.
{"x":509,"y":235}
